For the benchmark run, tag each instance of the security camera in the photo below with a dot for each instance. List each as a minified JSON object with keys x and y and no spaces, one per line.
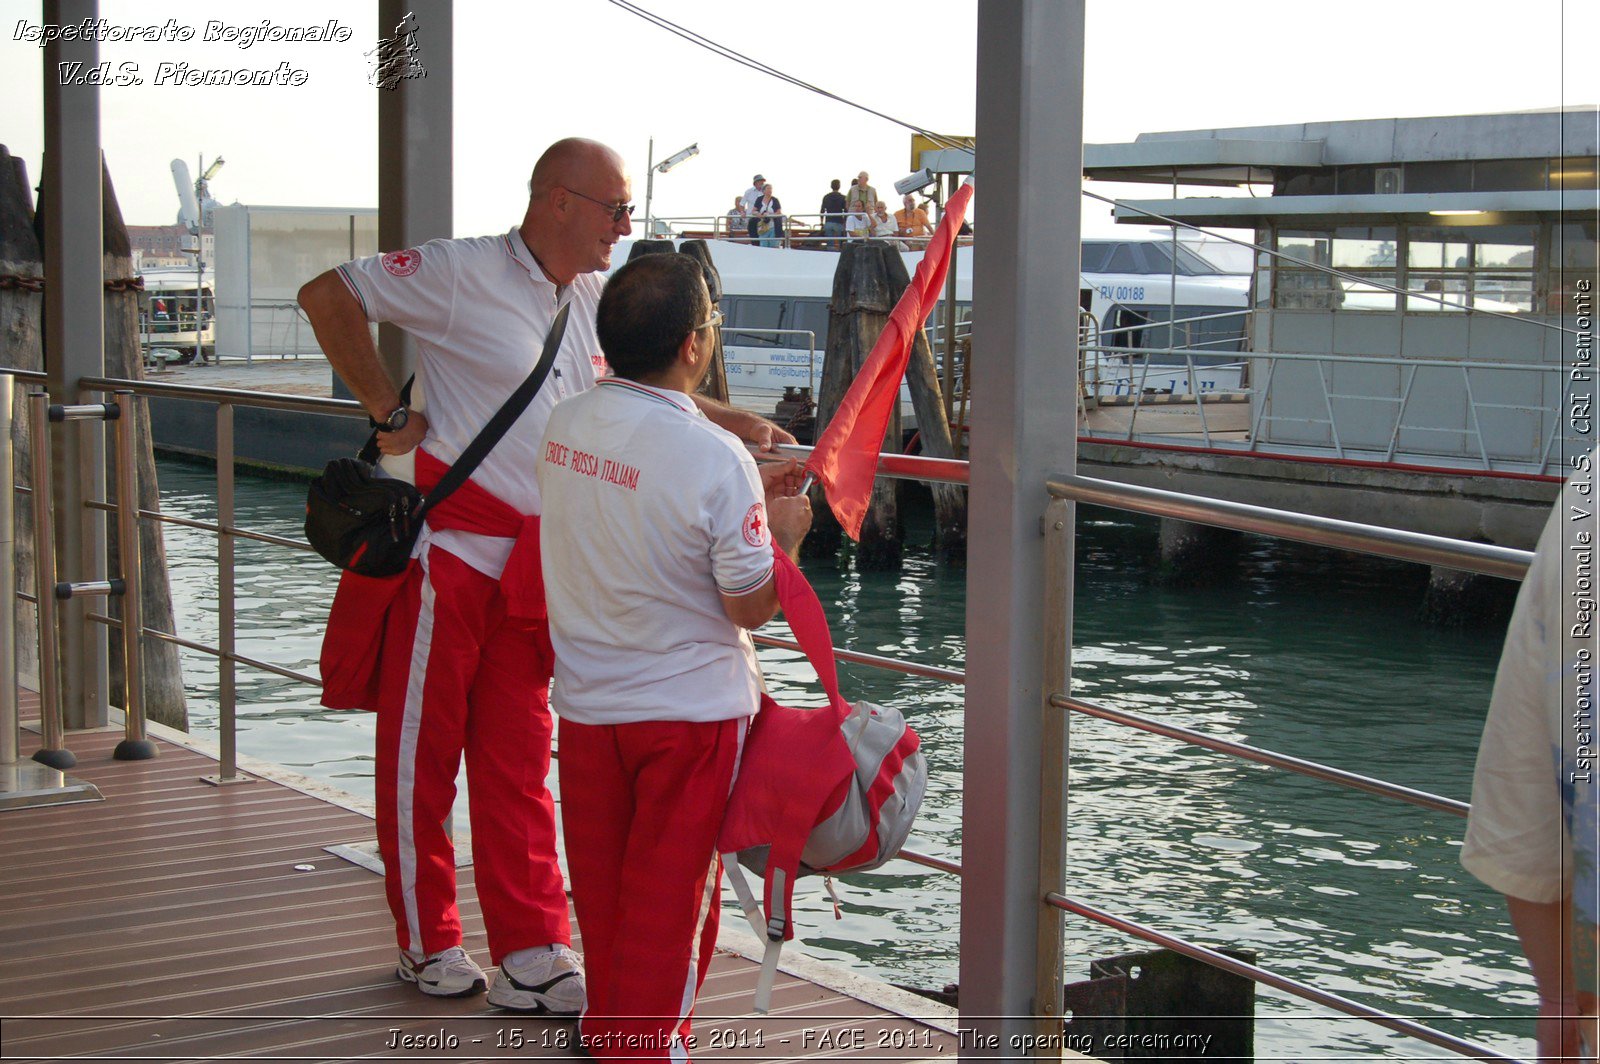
{"x":914,"y":182}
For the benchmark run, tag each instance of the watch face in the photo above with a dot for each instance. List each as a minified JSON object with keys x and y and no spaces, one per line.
{"x":398,"y":419}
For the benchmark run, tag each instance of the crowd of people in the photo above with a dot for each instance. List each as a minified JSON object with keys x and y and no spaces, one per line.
{"x":757,"y":217}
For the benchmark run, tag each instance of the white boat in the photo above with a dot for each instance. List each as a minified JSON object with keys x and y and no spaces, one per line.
{"x":775,"y":307}
{"x":168,"y":312}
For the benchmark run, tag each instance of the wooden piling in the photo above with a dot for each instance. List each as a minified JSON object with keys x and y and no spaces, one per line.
{"x":163,"y":671}
{"x":21,"y":340}
{"x":933,"y":425}
{"x":859,"y":309}
{"x":715,"y":385}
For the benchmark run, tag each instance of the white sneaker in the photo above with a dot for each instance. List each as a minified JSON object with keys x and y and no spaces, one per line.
{"x":546,"y":983}
{"x":450,"y":973}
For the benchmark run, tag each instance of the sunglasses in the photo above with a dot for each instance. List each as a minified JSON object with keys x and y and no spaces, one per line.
{"x":715,"y":319}
{"x":618,"y":210}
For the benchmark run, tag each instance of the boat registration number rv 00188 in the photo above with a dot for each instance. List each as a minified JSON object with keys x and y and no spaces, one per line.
{"x":1121,"y":293}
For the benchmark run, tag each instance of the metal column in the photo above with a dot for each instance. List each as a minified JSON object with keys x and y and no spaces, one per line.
{"x":74,"y":332}
{"x":415,"y":138}
{"x":9,"y":732}
{"x":1029,"y":130}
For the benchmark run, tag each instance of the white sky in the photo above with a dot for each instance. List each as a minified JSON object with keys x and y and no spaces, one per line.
{"x":529,"y":73}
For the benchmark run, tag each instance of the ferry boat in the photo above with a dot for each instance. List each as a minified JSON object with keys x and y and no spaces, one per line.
{"x":173,"y":320}
{"x":1147,"y":315}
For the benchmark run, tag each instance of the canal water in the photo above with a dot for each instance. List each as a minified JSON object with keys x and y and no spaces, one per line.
{"x":1308,"y":652}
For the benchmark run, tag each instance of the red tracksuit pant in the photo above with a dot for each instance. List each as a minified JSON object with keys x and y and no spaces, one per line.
{"x":459,"y":676}
{"x":641,"y":806}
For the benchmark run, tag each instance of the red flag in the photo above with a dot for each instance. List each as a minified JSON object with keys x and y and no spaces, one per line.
{"x":846,"y":457}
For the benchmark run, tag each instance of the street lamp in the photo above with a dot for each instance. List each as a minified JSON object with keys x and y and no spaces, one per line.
{"x":652,"y":168}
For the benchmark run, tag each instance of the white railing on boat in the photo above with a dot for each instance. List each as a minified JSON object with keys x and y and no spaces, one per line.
{"x":1064,"y":493}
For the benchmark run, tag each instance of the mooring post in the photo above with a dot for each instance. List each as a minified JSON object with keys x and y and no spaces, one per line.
{"x":933,"y":426}
{"x":162,"y":669}
{"x":715,"y":386}
{"x":858,"y":311}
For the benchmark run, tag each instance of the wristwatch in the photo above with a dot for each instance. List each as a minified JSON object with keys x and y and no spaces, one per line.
{"x":395,"y":421}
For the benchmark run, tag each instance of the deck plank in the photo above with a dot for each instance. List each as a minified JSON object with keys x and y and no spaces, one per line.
{"x":169,"y":922}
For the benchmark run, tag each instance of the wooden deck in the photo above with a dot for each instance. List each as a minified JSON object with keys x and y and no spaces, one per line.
{"x":175,"y":920}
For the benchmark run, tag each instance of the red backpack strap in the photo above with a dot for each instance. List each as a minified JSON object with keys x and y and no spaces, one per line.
{"x":803,"y":611}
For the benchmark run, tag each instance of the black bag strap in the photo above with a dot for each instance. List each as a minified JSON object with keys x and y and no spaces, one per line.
{"x":500,"y":424}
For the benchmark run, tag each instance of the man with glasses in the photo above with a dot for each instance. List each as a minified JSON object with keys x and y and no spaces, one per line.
{"x":465,"y":657}
{"x":657,"y":544}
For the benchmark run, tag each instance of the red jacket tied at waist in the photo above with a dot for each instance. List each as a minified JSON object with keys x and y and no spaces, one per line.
{"x":353,"y":643}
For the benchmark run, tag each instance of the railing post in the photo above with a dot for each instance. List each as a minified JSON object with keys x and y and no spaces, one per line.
{"x":1055,"y":747}
{"x":52,"y":750}
{"x":10,"y":734}
{"x":134,"y":746}
{"x":227,"y":676}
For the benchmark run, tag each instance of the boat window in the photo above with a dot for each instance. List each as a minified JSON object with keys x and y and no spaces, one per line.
{"x":1488,"y":266}
{"x":1576,"y":172}
{"x":1122,"y":260}
{"x":1443,"y":176}
{"x":1159,"y":257}
{"x":1095,"y":256}
{"x":1205,"y":330}
{"x":1572,"y":261}
{"x":1295,"y":288}
{"x":755,"y":313}
{"x":1492,"y":175}
{"x":812,"y":315}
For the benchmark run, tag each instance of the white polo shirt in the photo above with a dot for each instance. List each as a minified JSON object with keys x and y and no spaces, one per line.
{"x":651,"y":511}
{"x":480,"y":309}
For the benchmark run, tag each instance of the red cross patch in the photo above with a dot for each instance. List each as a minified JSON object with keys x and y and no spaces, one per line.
{"x":402,"y":263}
{"x":755,"y":526}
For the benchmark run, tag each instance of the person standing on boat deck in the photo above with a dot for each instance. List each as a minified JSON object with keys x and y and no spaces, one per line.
{"x":465,"y":657}
{"x":862,"y":195}
{"x":1533,"y":833}
{"x":833,"y":212}
{"x":737,"y":220}
{"x":752,"y":196}
{"x":657,"y":548}
{"x":769,"y":213}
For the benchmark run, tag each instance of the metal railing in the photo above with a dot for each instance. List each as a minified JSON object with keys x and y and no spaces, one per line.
{"x":1065,"y":492}
{"x":1336,"y":407}
{"x":811,"y":353}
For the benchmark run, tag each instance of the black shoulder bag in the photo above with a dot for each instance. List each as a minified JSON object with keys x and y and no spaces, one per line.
{"x":368,"y":523}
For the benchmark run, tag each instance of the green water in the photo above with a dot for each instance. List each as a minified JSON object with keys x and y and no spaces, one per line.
{"x":1307,"y":652}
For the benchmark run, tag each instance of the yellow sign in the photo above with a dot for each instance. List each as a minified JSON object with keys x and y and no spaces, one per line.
{"x":920,"y":144}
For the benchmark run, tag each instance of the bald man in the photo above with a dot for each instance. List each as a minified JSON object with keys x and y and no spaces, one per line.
{"x":465,"y":660}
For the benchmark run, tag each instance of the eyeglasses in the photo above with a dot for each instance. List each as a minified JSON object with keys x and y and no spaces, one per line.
{"x":715,"y":319}
{"x":618,"y":210}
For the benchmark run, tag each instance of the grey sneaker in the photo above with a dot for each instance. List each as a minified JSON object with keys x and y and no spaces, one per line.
{"x":450,"y":973}
{"x":550,"y":983}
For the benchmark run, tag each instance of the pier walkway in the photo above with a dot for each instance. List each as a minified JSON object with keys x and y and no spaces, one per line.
{"x":177,"y":920}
